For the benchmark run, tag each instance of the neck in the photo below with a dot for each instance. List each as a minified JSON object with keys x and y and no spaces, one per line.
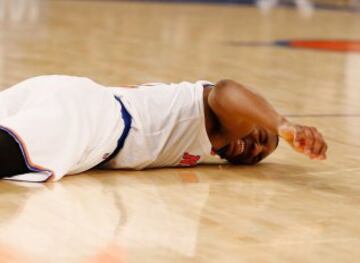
{"x":213,"y":127}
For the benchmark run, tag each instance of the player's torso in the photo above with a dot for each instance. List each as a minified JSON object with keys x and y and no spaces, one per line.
{"x":168,"y":126}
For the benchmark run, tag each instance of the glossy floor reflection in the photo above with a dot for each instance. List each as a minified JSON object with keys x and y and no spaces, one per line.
{"x":288,"y":209}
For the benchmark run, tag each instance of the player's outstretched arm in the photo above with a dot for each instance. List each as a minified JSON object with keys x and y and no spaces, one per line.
{"x":240,"y":110}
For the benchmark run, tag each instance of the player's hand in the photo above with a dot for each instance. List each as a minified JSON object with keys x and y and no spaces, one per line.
{"x":304,"y":139}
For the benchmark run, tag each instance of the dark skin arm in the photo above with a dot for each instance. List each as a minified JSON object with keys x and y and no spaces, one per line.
{"x":234,"y":111}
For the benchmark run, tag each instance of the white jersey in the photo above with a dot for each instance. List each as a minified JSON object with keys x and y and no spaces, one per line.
{"x":168,"y":126}
{"x":67,"y":125}
{"x":63,"y":124}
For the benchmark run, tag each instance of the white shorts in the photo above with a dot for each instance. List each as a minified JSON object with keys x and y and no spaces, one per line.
{"x":63,"y":124}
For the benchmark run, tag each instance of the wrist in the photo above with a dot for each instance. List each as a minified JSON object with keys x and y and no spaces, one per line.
{"x":284,"y":129}
{"x":282,"y":123}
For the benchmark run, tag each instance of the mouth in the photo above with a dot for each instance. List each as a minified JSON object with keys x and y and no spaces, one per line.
{"x":237,"y":148}
{"x":242,"y":153}
{"x":242,"y":146}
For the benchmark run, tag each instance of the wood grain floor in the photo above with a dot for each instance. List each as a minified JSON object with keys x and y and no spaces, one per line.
{"x":288,"y":209}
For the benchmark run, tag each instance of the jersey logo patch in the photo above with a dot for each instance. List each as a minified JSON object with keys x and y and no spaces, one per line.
{"x":189,"y":159}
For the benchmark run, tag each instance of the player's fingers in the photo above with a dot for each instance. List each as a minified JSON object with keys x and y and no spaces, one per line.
{"x":299,"y":138}
{"x":324,"y":147}
{"x":323,"y":154}
{"x":318,"y":143}
{"x":309,"y":141}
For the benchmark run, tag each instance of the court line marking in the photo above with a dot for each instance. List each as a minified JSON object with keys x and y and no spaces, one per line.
{"x":307,"y":241}
{"x":321,"y":45}
{"x":326,"y":115}
{"x":335,"y":171}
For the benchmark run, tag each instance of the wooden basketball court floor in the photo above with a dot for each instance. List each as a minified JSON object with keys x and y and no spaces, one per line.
{"x":287,"y":209}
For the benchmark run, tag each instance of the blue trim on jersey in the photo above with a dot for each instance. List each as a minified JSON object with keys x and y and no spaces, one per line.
{"x":127,"y":122}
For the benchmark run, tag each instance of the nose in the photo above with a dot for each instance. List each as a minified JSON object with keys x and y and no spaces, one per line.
{"x":258,"y":148}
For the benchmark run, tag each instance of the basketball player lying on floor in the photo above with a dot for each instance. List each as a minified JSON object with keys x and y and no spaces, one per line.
{"x":52,"y":126}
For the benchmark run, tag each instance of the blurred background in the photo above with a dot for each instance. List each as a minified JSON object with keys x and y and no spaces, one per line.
{"x":303,"y":55}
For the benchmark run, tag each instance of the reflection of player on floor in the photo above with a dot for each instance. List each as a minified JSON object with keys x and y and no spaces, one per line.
{"x":57,"y":125}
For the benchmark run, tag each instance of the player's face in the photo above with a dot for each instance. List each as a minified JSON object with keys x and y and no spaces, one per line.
{"x":251,"y":149}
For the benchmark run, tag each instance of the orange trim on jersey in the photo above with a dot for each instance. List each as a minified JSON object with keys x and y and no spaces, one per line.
{"x":25,"y":152}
